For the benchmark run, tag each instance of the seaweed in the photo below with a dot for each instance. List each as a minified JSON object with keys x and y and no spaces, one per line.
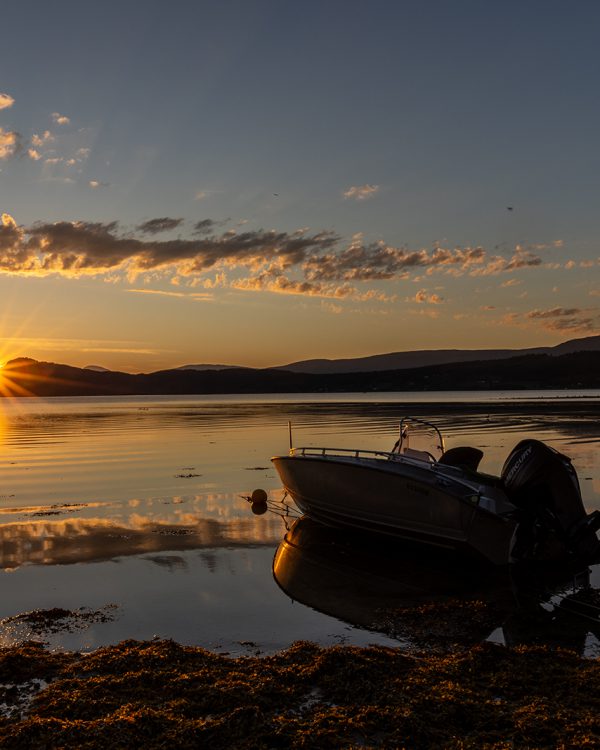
{"x":162,"y":694}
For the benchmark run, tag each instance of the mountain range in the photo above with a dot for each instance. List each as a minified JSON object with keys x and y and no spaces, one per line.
{"x":419,"y":358}
{"x":573,"y":364}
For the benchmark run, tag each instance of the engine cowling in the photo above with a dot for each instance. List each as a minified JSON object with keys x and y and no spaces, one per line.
{"x":543,"y":485}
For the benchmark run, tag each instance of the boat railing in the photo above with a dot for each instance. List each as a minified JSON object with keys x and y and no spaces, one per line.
{"x":360,"y":453}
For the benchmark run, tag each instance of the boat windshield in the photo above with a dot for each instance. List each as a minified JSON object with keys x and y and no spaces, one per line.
{"x":417,"y":436}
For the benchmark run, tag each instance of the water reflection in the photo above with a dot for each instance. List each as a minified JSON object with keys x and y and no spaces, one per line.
{"x":427,"y":598}
{"x":53,"y":539}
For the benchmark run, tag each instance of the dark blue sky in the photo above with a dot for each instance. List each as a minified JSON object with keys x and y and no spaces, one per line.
{"x":416,"y":124}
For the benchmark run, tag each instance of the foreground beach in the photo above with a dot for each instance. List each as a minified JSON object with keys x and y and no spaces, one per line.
{"x":160,"y":694}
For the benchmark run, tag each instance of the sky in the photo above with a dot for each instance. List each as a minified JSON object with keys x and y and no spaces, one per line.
{"x":261,"y":182}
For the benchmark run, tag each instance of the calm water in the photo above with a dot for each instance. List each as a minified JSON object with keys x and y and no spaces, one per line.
{"x":136,"y":505}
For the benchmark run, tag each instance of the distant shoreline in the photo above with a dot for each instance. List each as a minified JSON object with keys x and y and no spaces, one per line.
{"x":578,"y":370}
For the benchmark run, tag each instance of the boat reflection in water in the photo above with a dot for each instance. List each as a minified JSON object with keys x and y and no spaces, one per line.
{"x":432,"y":600}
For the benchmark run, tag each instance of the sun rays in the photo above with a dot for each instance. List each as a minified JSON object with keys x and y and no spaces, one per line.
{"x":11,"y":385}
{"x":27,"y":377}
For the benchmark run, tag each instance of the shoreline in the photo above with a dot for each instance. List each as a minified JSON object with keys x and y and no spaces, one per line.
{"x":161,"y":694}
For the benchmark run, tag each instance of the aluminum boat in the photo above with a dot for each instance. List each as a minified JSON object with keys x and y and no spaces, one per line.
{"x":533,"y":510}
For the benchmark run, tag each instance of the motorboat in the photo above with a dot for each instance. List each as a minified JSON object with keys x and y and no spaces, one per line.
{"x":532,"y":511}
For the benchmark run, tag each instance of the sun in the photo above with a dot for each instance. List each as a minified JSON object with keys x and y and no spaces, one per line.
{"x":9,"y":385}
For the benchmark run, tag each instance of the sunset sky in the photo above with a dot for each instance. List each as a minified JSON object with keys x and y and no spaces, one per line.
{"x":256,"y":182}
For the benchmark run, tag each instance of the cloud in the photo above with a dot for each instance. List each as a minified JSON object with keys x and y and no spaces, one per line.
{"x":57,"y":157}
{"x":557,"y":319}
{"x":72,"y":248}
{"x":425,"y":313}
{"x":331,"y":307}
{"x":522,"y":257}
{"x":80,"y":156}
{"x":273,"y":281}
{"x":511,"y":319}
{"x":378,"y":261}
{"x":41,"y":140}
{"x":571,"y":324}
{"x":566,"y":318}
{"x":155,"y":226}
{"x":10,"y":234}
{"x":554,"y":312}
{"x":361,"y":192}
{"x":204,"y":296}
{"x":10,"y":143}
{"x":511,"y":282}
{"x":60,"y":119}
{"x":204,"y":227}
{"x":300,"y":262}
{"x":422,"y":297}
{"x":6,"y":101}
{"x":202,"y":194}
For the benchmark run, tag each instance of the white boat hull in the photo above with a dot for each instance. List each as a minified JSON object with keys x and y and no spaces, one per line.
{"x":399,"y":499}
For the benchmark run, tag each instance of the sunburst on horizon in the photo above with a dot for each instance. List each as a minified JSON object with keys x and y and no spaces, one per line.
{"x":9,"y":387}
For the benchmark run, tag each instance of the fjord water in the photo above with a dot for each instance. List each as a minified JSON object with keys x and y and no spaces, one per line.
{"x":136,"y":506}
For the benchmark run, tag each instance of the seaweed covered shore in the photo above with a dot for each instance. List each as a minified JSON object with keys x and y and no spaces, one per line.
{"x":160,"y":694}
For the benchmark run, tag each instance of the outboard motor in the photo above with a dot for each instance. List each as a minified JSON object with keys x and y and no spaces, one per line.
{"x":543,"y":485}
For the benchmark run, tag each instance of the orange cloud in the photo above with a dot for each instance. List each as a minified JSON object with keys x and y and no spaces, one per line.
{"x":41,"y":140}
{"x":10,"y":143}
{"x":6,"y":101}
{"x":422,"y":297}
{"x":521,"y":258}
{"x":60,"y":119}
{"x":278,"y":283}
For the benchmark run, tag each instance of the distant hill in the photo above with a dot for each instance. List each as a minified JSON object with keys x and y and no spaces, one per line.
{"x":578,"y":369}
{"x":417,"y":358}
{"x":429,"y":357}
{"x":207,"y":367}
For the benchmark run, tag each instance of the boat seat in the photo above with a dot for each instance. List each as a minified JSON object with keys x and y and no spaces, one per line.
{"x":463,"y":457}
{"x":419,"y":455}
